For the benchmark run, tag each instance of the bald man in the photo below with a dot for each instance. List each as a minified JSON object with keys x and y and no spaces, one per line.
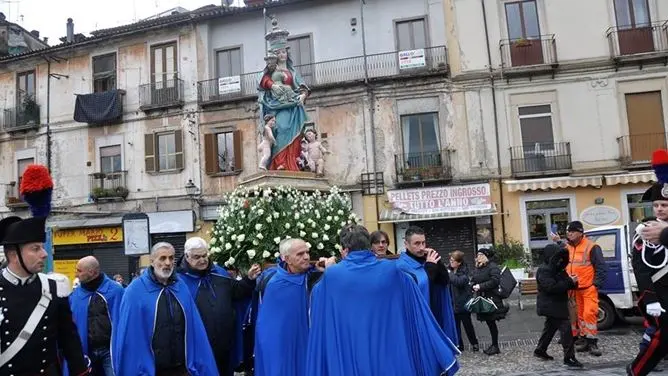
{"x":95,"y":308}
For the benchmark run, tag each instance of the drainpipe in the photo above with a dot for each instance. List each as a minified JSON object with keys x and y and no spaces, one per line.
{"x":496,"y":121}
{"x":372,"y":109}
{"x":48,"y":114}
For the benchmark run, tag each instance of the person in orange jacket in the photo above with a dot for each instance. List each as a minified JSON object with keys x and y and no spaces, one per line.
{"x":587,"y":263}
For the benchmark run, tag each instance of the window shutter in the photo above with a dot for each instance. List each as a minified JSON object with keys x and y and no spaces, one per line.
{"x":211,"y":153}
{"x":238,"y":152}
{"x":149,"y":152}
{"x":178,"y":146}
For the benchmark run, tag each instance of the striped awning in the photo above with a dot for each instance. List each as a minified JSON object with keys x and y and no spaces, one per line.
{"x":631,"y":178}
{"x":395,"y":216}
{"x":553,"y":183}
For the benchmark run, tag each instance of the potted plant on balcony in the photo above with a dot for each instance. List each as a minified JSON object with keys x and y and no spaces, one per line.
{"x":30,"y":110}
{"x":522,"y":42}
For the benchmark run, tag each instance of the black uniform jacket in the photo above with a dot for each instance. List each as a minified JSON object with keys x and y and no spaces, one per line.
{"x":56,"y":331}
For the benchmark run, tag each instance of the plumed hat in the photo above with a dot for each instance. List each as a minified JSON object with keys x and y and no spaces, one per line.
{"x":658,"y":190}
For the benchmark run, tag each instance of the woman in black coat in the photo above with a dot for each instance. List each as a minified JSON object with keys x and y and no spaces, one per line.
{"x":552,"y":302}
{"x":461,"y":293}
{"x":485,"y":279}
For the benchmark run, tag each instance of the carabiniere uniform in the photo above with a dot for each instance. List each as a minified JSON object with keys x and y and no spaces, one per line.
{"x":35,"y":318}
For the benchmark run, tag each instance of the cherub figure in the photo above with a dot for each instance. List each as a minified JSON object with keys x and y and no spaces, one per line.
{"x":302,"y":160}
{"x":268,"y":141}
{"x":315,"y":153}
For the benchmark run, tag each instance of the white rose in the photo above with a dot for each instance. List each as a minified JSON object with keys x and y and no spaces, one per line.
{"x":288,"y":237}
{"x":343,"y":224}
{"x":301,"y":225}
{"x":340,"y":212}
{"x":241,"y":237}
{"x":212,"y":241}
{"x":308,"y":245}
{"x":221,"y":239}
{"x":314,"y":235}
{"x":296,"y":214}
{"x":276,"y":215}
{"x":260,"y":236}
{"x":251,"y":253}
{"x":325,"y":237}
{"x":336,"y":218}
{"x":268,"y":219}
{"x":266,"y":254}
{"x":234,"y":237}
{"x":231,"y":261}
{"x":329,"y":218}
{"x":260,"y":212}
{"x":228,"y":246}
{"x":258,"y":226}
{"x":287,"y":226}
{"x":255,"y":242}
{"x":327,"y":227}
{"x":302,"y":234}
{"x":337,"y":246}
{"x":276,"y":254}
{"x":277,"y":240}
{"x":320,"y":246}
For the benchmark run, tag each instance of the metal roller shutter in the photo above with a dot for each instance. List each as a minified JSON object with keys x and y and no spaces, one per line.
{"x":449,"y":235}
{"x":178,"y":240}
{"x":111,"y":257}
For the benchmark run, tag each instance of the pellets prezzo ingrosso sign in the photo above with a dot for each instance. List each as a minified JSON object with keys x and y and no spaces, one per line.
{"x":446,"y":199}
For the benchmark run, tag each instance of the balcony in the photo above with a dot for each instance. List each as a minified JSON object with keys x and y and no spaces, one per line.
{"x":639,"y":44}
{"x":13,"y":199}
{"x":108,"y":186}
{"x":528,"y":57}
{"x":541,"y":159}
{"x":423,"y":167}
{"x":432,"y":60}
{"x":161,"y":95}
{"x":635,"y":151}
{"x":21,"y":118}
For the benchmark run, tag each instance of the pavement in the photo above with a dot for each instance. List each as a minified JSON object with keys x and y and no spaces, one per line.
{"x":519,"y":333}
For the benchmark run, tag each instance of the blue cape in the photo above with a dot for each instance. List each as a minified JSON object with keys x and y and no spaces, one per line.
{"x":281,"y":331}
{"x":193,"y":281}
{"x":440,"y":299}
{"x":132,"y":349}
{"x":112,"y":293}
{"x":369,"y":318}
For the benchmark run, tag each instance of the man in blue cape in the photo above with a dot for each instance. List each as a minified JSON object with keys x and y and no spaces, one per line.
{"x":425,"y":266}
{"x":369,"y":318}
{"x":160,"y":331}
{"x":215,"y":294}
{"x":95,"y":307}
{"x":281,"y":329}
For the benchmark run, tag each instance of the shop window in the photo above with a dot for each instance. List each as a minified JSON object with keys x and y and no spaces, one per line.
{"x":223,"y":152}
{"x":541,"y":217}
{"x":163,"y":151}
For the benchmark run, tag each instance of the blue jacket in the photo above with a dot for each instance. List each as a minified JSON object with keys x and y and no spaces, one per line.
{"x":131,"y":343}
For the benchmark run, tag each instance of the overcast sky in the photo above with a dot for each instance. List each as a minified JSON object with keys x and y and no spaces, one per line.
{"x":50,"y":16}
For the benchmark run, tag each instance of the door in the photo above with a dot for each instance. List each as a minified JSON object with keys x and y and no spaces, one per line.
{"x":634,"y":29}
{"x":524,"y":33}
{"x":164,"y":75}
{"x":610,"y":242}
{"x":646,"y":127}
{"x":541,"y":217}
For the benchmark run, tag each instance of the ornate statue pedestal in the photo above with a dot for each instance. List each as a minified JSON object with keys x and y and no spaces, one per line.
{"x":303,"y":181}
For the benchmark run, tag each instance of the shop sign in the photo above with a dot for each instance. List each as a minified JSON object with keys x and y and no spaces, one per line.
{"x":88,"y":235}
{"x":600,"y":215}
{"x":442,"y":200}
{"x":66,"y":267}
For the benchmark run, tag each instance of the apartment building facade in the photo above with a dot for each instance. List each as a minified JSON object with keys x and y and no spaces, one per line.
{"x":578,"y":101}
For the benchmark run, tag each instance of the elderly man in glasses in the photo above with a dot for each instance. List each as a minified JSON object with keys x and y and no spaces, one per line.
{"x":215,"y":293}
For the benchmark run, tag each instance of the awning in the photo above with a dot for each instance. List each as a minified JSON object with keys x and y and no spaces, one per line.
{"x":394,"y":216}
{"x":553,"y":183}
{"x":64,"y":224}
{"x":631,"y":178}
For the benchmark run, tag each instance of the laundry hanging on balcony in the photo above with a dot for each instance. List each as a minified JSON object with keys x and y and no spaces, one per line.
{"x":99,"y":108}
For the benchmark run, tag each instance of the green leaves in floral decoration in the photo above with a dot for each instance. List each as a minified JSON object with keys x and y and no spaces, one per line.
{"x":254,"y":221}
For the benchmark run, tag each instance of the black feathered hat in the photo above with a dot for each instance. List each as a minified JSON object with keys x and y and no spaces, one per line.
{"x":659,"y":190}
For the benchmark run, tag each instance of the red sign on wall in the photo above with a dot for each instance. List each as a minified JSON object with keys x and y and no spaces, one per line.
{"x":446,"y":199}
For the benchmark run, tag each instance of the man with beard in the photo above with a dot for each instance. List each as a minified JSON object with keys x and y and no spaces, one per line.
{"x":35,"y":315}
{"x":95,"y":307}
{"x":215,"y":293}
{"x":160,"y":331}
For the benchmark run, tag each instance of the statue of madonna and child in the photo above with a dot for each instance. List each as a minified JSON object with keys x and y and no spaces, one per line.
{"x":286,"y":143}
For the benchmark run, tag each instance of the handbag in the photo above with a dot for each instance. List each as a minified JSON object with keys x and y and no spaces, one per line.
{"x":507,"y":283}
{"x":481,"y":304}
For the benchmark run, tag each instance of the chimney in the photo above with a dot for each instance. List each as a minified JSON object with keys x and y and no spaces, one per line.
{"x":35,"y":33}
{"x":70,"y":30}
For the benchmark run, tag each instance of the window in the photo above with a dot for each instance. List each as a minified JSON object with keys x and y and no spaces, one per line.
{"x":223,"y":152}
{"x":411,"y":35}
{"x":21,"y":165}
{"x":542,"y":216}
{"x":110,"y":159}
{"x":420,"y":137}
{"x":25,"y":86}
{"x":228,"y":62}
{"x":302,"y":56}
{"x":522,"y":20}
{"x":104,"y":73}
{"x":163,"y":151}
{"x":632,"y":14}
{"x":536,"y":127}
{"x":164,"y":67}
{"x":637,"y":210}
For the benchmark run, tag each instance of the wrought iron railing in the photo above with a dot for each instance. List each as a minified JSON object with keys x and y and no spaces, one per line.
{"x":541,"y":50}
{"x":161,"y":94}
{"x":21,"y":117}
{"x":13,"y":198}
{"x":331,"y":72}
{"x":636,"y":150}
{"x":108,"y":185}
{"x":641,"y":39}
{"x":541,"y":158}
{"x":421,"y":167}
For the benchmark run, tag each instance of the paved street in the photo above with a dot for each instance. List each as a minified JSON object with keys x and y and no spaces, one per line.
{"x":519,"y":333}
